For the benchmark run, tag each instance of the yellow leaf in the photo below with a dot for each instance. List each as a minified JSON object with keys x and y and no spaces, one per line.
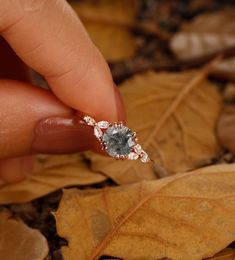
{"x":174,"y":115}
{"x":205,"y":35}
{"x":185,"y":216}
{"x":18,"y":241}
{"x":107,"y":23}
{"x":51,"y":173}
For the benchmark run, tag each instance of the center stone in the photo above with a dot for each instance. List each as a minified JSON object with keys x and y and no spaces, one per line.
{"x":118,"y":140}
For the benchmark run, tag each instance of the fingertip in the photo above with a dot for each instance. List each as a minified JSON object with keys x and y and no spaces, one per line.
{"x":17,"y":169}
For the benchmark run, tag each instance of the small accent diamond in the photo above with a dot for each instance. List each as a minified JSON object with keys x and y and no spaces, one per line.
{"x":133,"y":156}
{"x":89,"y":120}
{"x":138,"y":149}
{"x":103,"y":124}
{"x":144,"y":157}
{"x":97,"y":132}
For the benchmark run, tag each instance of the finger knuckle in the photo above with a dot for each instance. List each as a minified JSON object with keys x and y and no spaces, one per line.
{"x":12,"y":12}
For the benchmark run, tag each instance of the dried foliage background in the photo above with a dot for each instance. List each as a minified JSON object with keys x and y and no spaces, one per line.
{"x":174,"y":62}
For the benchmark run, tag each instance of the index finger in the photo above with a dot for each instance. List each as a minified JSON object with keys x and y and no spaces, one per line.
{"x":48,"y":36}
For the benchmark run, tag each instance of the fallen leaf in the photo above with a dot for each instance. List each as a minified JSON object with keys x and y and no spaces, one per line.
{"x":225,"y":254}
{"x":195,"y":6}
{"x":51,"y":173}
{"x":122,"y":172}
{"x":226,"y":128}
{"x":107,"y":23}
{"x":185,"y":216}
{"x":18,"y":241}
{"x":174,"y":115}
{"x":229,"y":92}
{"x":205,"y":35}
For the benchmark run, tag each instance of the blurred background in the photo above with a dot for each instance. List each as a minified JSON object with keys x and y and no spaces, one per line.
{"x":137,"y":35}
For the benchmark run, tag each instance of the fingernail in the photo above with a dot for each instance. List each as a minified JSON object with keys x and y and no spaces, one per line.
{"x":62,"y":135}
{"x":120,"y":105}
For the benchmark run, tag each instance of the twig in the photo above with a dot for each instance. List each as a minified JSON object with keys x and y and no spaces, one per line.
{"x":124,"y":70}
{"x":145,"y":28}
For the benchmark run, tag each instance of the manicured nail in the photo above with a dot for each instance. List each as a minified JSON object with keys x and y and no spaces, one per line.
{"x":120,"y":105}
{"x":62,"y":135}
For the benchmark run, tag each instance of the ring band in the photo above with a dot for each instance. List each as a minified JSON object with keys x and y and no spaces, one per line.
{"x":117,"y":140}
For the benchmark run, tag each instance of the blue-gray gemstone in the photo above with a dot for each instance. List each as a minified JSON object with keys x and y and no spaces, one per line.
{"x":118,"y":140}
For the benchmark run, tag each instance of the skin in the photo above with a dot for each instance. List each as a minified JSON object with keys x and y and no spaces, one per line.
{"x":48,"y":37}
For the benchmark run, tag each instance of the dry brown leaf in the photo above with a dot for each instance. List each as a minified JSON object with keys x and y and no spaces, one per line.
{"x":179,"y":136}
{"x":19,"y":242}
{"x":226,"y":254}
{"x":226,"y":128}
{"x":122,"y":172}
{"x":185,"y":216}
{"x":51,"y":173}
{"x":107,"y":23}
{"x":229,"y":92}
{"x":205,"y":35}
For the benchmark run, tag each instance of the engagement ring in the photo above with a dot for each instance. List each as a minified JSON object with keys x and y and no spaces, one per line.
{"x":117,"y":140}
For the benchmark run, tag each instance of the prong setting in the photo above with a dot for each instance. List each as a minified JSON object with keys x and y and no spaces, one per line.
{"x":117,"y":157}
{"x":103,"y":145}
{"x":120,"y":124}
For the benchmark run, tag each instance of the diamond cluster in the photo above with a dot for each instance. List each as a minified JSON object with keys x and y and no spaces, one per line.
{"x":118,"y":140}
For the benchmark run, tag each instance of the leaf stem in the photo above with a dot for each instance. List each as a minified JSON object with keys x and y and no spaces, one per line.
{"x":200,"y":77}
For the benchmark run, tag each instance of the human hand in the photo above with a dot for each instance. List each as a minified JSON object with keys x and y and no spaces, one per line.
{"x":48,"y":37}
